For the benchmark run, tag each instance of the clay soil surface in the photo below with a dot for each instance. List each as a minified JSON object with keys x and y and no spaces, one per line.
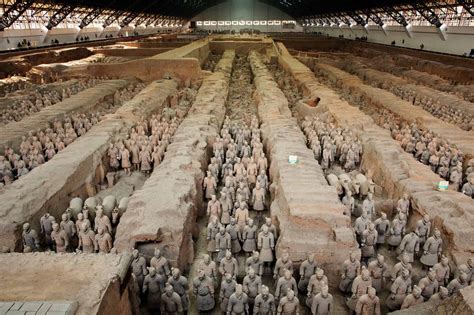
{"x":46,"y":276}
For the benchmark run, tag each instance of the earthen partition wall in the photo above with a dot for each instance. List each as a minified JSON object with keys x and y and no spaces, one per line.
{"x":182,"y":63}
{"x":308,"y":211}
{"x":393,"y":169}
{"x":49,"y":187}
{"x":163,"y":213}
{"x":380,"y":98}
{"x":82,"y":102}
{"x":89,"y":283}
{"x":363,"y":69}
{"x":25,"y":94}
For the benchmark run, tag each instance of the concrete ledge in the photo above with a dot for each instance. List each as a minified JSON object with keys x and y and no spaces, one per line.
{"x":83,"y":284}
{"x":308,"y":210}
{"x":81,"y":102}
{"x":38,"y":307}
{"x":49,"y":187}
{"x":163,"y":213}
{"x":394,"y":169}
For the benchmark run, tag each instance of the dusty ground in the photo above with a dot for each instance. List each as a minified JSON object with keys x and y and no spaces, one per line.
{"x":47,"y":276}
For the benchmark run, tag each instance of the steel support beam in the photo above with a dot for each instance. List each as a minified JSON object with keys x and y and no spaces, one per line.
{"x":356,"y":17}
{"x":344,"y":19}
{"x":14,"y":12}
{"x":374,"y":17}
{"x":90,"y":17}
{"x":397,"y":16}
{"x":141,"y":19}
{"x":128,"y":19}
{"x":59,"y":16}
{"x":428,"y":14}
{"x":377,"y":20}
{"x":152,"y":20}
{"x":112,"y":18}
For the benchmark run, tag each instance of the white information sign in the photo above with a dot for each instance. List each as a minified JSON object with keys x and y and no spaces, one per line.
{"x":293,"y":159}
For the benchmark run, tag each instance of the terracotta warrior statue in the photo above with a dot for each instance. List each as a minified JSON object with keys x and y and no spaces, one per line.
{"x":60,"y":239}
{"x":360,"y":286}
{"x":252,"y":285}
{"x":139,"y":268}
{"x":368,"y":304}
{"x":180,"y":286}
{"x":103,"y":240}
{"x":289,"y":304}
{"x":350,"y":270}
{"x":400,"y":288}
{"x":171,"y":302}
{"x":378,"y":270}
{"x":285,"y":283}
{"x":209,"y":267}
{"x":266,"y":245}
{"x":315,"y":285}
{"x":249,"y":236}
{"x":87,"y":240}
{"x":203,"y":288}
{"x":229,"y":265}
{"x":153,"y":287}
{"x":255,"y":263}
{"x":264,"y":303}
{"x":228,"y":286}
{"x":160,"y":263}
{"x":238,"y":302}
{"x":30,"y":239}
{"x":322,"y":302}
{"x":432,"y":249}
{"x":307,"y":270}
{"x":223,"y":243}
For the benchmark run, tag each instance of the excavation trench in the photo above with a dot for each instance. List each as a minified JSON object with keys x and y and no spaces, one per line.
{"x":163,"y":213}
{"x":38,"y":97}
{"x":77,"y":171}
{"x":372,"y":73}
{"x":240,"y":110}
{"x":299,"y":189}
{"x":42,"y":145}
{"x":391,"y":168}
{"x":113,"y":184}
{"x":378,"y":103}
{"x":12,"y":84}
{"x":82,"y":102}
{"x":382,"y":202}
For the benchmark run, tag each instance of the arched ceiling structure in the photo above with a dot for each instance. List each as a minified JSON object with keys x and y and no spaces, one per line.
{"x":187,"y":9}
{"x":178,"y":11}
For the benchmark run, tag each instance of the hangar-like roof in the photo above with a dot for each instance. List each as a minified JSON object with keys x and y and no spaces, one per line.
{"x":189,"y":8}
